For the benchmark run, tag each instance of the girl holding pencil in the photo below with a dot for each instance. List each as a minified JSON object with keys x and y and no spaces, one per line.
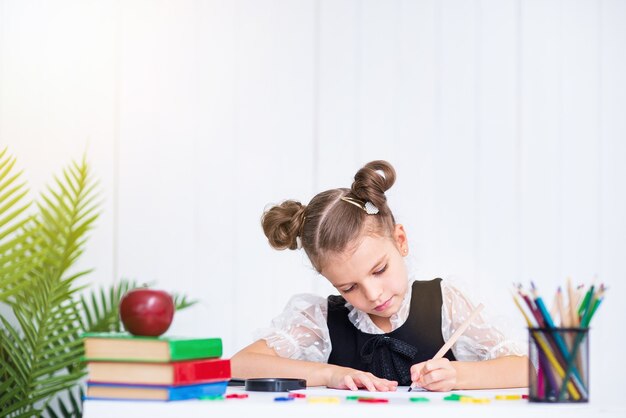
{"x":384,"y":328}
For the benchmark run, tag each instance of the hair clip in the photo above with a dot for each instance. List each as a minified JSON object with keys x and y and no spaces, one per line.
{"x":368,"y":207}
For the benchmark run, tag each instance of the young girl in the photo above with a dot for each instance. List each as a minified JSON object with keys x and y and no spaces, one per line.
{"x":384,"y":328}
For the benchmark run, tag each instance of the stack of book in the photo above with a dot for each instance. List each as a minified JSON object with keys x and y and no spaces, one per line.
{"x":123,"y":366}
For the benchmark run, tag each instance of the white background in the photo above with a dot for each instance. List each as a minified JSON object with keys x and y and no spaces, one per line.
{"x":505,"y":120}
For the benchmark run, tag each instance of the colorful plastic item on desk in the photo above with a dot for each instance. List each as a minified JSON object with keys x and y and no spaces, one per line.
{"x":297,"y":395}
{"x":212,"y":398}
{"x":509,"y":397}
{"x":373,"y":400}
{"x":419,"y":399}
{"x":283,"y":399}
{"x":323,"y":399}
{"x":237,"y":396}
{"x":453,"y":397}
{"x":476,"y":400}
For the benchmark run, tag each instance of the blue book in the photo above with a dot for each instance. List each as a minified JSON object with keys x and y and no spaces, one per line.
{"x":116,"y":391}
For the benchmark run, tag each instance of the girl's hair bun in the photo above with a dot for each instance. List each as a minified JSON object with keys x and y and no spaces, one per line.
{"x":282,"y":224}
{"x":372,"y":181}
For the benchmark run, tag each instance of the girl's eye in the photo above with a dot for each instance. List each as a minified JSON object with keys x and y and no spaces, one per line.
{"x":348,"y":289}
{"x":381,"y":271}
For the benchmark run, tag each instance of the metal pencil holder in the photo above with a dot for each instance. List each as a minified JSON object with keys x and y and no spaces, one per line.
{"x":559,"y":364}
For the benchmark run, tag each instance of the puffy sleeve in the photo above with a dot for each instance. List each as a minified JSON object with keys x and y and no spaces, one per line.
{"x":300,"y":332}
{"x":482,"y":340}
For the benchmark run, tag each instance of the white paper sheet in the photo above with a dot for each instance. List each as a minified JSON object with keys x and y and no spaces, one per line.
{"x":403,"y":393}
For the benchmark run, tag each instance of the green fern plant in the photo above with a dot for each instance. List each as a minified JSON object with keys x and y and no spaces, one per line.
{"x":40,"y":337}
{"x":38,"y":347}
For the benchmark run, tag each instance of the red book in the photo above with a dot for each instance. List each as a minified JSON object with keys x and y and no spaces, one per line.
{"x":173,"y":373}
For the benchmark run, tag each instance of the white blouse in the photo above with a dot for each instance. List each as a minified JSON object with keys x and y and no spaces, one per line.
{"x":300,"y":332}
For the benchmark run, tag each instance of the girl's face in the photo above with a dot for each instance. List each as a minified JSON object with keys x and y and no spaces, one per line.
{"x":373,"y":277}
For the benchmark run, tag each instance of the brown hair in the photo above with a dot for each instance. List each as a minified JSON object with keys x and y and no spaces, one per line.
{"x":328,"y":224}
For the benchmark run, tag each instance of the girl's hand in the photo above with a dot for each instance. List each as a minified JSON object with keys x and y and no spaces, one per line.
{"x":436,"y":375}
{"x":346,"y":378}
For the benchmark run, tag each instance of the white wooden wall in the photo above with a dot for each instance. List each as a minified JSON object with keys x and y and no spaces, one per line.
{"x":505,"y":120}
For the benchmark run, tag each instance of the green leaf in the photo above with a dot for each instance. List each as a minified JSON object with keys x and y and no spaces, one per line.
{"x":49,"y":412}
{"x":15,"y":245}
{"x":71,"y":409}
{"x":181,"y":302}
{"x":40,"y":354}
{"x":101,"y":307}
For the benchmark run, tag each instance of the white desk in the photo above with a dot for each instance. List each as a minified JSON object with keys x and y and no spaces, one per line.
{"x":260,"y":404}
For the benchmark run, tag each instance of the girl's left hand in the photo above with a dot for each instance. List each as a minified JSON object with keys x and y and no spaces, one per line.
{"x":436,"y":375}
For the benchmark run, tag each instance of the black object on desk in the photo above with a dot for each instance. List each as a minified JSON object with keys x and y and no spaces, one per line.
{"x":274,"y":385}
{"x":236,"y":382}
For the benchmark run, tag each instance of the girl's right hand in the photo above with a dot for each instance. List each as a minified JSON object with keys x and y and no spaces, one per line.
{"x":346,"y":378}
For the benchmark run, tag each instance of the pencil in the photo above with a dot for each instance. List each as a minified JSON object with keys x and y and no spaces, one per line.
{"x":596,"y":305}
{"x":460,"y":330}
{"x":528,"y":315}
{"x":555,"y":309}
{"x":585,"y":303}
{"x":572,"y":304}
{"x":565,"y":322}
{"x":532,"y":307}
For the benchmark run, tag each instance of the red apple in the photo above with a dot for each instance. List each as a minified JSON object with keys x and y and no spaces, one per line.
{"x":147,"y":312}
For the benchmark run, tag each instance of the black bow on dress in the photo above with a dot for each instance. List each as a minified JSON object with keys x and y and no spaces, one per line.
{"x":389,"y":358}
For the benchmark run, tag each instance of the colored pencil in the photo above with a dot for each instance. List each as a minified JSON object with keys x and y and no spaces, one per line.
{"x":597,"y":300}
{"x":555,"y":309}
{"x":565,"y":322}
{"x":572,"y":304}
{"x":532,"y":307}
{"x":585,"y":303}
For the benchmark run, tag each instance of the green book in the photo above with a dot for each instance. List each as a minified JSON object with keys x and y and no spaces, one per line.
{"x":107,"y":346}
